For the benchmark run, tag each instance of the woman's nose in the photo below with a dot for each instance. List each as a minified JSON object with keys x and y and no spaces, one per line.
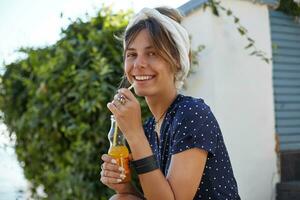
{"x":140,"y":61}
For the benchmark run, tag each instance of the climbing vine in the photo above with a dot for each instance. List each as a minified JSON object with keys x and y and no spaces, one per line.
{"x":216,"y":8}
{"x":290,"y":7}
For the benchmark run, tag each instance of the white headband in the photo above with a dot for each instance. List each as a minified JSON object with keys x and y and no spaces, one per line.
{"x":179,"y":35}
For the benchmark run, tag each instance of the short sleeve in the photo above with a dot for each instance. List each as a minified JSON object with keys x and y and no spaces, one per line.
{"x":197,"y":128}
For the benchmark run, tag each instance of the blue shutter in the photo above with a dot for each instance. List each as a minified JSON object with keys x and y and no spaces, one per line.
{"x":270,"y":2}
{"x":190,"y":6}
{"x":285,"y":33}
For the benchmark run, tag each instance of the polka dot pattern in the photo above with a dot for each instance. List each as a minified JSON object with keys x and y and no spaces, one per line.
{"x":189,"y":123}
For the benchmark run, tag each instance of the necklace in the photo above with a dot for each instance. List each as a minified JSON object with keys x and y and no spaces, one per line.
{"x":157,"y":122}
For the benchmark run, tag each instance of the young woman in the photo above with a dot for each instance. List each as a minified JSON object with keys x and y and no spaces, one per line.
{"x":179,"y":153}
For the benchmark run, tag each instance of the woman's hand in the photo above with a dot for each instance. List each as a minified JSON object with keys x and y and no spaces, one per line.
{"x":112,"y":175}
{"x":127,"y":111}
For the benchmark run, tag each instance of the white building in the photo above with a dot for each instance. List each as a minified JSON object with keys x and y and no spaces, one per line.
{"x":249,"y":97}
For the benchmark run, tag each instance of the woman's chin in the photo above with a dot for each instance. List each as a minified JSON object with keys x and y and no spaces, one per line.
{"x":142,"y":92}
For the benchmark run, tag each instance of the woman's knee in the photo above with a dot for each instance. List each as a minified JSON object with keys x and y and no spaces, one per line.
{"x":124,"y":197}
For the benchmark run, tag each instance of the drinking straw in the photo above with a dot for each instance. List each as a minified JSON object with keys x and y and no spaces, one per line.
{"x":116,"y":126}
{"x":130,"y":87}
{"x":115,"y":134}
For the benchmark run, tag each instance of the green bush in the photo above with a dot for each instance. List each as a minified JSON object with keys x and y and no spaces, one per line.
{"x":54,"y":101}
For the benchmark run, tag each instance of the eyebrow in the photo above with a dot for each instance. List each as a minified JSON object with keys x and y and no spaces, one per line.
{"x":148,"y":47}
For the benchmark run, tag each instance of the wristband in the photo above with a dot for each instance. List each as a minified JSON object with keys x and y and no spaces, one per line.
{"x":145,"y":165}
{"x":143,"y":161}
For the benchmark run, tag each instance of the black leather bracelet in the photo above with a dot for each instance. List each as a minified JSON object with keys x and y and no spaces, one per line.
{"x":145,"y":165}
{"x":143,"y":161}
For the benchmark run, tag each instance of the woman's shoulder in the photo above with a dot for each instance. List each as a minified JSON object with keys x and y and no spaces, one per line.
{"x":191,"y":106}
{"x":189,"y":100}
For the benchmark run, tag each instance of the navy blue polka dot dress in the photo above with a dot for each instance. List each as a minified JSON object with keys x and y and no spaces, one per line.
{"x":189,"y":123}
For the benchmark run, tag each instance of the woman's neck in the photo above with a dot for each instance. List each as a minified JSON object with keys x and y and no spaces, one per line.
{"x":158,"y":104}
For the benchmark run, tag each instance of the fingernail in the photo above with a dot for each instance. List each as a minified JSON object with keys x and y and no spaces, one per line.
{"x":113,"y":161}
{"x":119,"y":180}
{"x":121,"y":169}
{"x":122,"y":176}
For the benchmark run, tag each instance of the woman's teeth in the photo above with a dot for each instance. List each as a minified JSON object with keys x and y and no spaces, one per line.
{"x":142,"y":78}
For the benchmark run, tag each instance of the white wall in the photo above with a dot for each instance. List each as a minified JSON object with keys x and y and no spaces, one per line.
{"x":238,"y":87}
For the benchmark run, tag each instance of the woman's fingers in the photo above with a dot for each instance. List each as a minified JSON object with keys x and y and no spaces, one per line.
{"x":113,"y":108}
{"x":112,"y":167}
{"x":108,"y":180}
{"x":111,"y":172}
{"x":109,"y":159}
{"x":127,"y":93}
{"x":116,"y":103}
{"x":120,"y":100}
{"x":110,"y":163}
{"x":116,"y":96}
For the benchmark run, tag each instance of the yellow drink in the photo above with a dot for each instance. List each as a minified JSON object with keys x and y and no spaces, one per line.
{"x":121,"y":155}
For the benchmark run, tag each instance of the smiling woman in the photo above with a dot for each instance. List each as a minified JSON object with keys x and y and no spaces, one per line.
{"x":182,"y":135}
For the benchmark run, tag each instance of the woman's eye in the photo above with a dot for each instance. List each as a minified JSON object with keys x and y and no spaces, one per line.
{"x":130,"y":55}
{"x":151,"y":53}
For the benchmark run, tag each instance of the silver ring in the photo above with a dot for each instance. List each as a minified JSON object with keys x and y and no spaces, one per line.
{"x":121,"y":99}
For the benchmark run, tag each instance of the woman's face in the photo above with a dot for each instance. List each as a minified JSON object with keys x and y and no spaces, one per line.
{"x":149,"y":72}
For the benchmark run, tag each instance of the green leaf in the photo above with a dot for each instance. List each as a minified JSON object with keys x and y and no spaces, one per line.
{"x":242,"y":30}
{"x":236,"y":20}
{"x":250,"y":39}
{"x":229,"y":12}
{"x":249,"y":45}
{"x":266,"y":60}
